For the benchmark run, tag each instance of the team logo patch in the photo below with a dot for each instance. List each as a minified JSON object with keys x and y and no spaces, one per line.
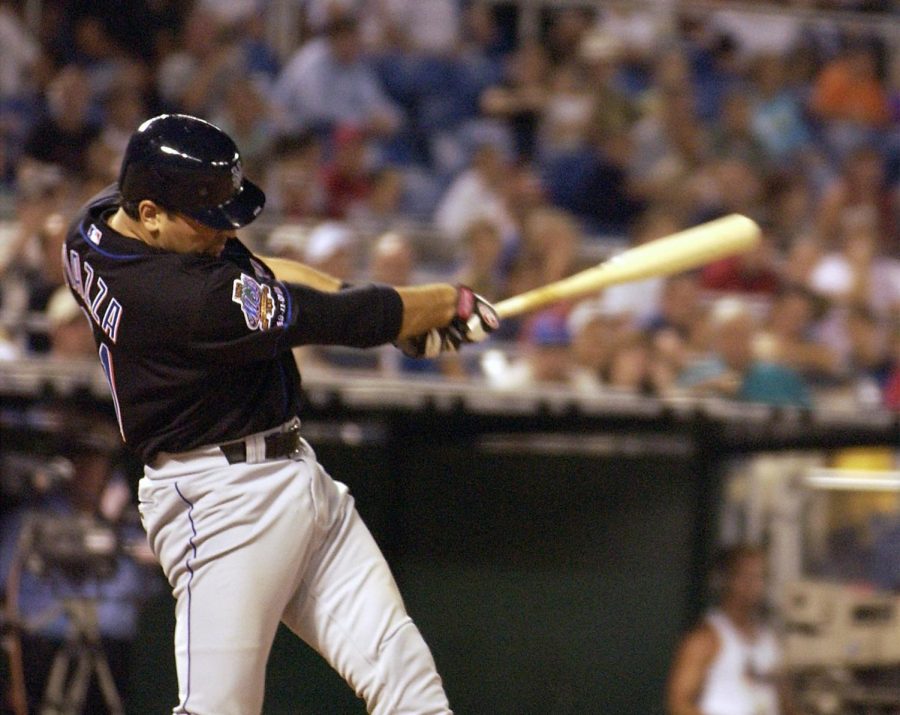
{"x":95,"y":234}
{"x":237,"y":175}
{"x":256,"y":302}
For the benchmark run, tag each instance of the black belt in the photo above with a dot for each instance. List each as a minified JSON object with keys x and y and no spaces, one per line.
{"x":278,"y":445}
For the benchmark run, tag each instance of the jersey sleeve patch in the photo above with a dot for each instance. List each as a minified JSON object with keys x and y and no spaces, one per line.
{"x":263,"y":305}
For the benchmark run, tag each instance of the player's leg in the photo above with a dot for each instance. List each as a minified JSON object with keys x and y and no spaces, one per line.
{"x":231,"y":540}
{"x":349,"y":609}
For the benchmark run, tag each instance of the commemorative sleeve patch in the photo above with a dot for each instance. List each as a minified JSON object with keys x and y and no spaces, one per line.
{"x":263,"y":307}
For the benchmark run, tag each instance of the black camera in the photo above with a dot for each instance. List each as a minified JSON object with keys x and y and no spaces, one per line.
{"x":76,"y":547}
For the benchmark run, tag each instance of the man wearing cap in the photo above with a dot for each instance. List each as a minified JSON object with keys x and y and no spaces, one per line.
{"x":195,"y":333}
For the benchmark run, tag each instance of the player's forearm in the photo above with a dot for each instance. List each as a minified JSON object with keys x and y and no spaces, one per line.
{"x":294,"y":272}
{"x":425,"y":307}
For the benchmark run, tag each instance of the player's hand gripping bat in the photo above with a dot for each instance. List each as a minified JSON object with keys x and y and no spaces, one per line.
{"x":672,"y":254}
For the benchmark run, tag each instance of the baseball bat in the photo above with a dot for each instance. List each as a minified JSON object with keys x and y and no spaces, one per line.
{"x":671,"y":254}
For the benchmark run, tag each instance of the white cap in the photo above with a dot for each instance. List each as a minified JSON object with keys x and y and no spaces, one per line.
{"x":62,"y":308}
{"x":288,"y":238}
{"x":587,"y":311}
{"x":326,"y":239}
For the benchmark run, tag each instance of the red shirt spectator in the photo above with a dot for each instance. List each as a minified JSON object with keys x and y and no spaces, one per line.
{"x":733,"y":275}
{"x":347,"y":179}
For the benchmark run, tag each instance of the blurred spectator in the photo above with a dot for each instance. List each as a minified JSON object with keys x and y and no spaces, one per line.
{"x":124,"y":109}
{"x":639,"y":300}
{"x":550,"y":239}
{"x":68,"y":329}
{"x":34,"y":273}
{"x":722,"y":186}
{"x":731,"y":661}
{"x":789,"y":207}
{"x":481,"y":249}
{"x":476,"y":194}
{"x":777,"y":117}
{"x":734,"y":371}
{"x":567,"y":29}
{"x":522,"y":96}
{"x":594,"y":184}
{"x":733,"y":136}
{"x":331,"y":248}
{"x":849,"y":90}
{"x":629,"y":365}
{"x":859,"y":273}
{"x":380,"y":210}
{"x":870,"y":359}
{"x":788,"y":336}
{"x":860,"y":199}
{"x":50,"y":601}
{"x":612,"y":110}
{"x":327,"y":82}
{"x":669,"y":145}
{"x":19,"y":53}
{"x":594,"y":332}
{"x":293,"y":185}
{"x":679,"y":307}
{"x":545,"y":360}
{"x":892,"y":388}
{"x":803,"y":255}
{"x":428,"y":27}
{"x":392,"y":260}
{"x":98,"y":54}
{"x":567,"y":114}
{"x":346,"y":177}
{"x":754,"y":271}
{"x":65,"y":135}
{"x":245,"y":115}
{"x":194,"y":79}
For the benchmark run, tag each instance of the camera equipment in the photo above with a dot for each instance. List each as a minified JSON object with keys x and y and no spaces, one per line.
{"x":23,"y":476}
{"x":77,"y":547}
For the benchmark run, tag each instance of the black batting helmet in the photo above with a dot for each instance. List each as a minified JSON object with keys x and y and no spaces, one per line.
{"x":186,"y":164}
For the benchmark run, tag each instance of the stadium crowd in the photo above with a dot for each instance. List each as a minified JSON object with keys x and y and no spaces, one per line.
{"x":405,"y":140}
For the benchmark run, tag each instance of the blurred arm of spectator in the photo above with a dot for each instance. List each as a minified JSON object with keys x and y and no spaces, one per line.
{"x":525,"y":89}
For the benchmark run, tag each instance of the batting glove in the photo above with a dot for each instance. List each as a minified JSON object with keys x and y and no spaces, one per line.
{"x":473,"y":321}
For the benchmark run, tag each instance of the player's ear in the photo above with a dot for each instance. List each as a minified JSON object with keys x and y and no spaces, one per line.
{"x":148,"y":215}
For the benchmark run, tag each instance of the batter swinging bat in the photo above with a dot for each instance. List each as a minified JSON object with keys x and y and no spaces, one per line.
{"x":672,"y":254}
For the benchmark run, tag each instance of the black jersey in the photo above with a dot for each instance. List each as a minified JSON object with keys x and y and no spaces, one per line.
{"x":196,"y":348}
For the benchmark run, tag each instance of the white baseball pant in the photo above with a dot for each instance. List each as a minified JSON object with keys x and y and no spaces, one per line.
{"x":247,"y":545}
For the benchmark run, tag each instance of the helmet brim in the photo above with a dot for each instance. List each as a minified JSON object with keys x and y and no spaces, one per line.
{"x":240,"y":210}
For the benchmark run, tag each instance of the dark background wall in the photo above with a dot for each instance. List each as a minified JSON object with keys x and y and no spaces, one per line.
{"x":545,"y":579}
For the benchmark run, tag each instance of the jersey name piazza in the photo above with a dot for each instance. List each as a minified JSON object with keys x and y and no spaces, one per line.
{"x":80,"y":276}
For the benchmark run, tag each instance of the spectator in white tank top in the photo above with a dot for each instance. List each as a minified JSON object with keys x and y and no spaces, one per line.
{"x":729,"y":663}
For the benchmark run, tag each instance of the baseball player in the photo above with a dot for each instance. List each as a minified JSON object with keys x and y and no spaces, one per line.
{"x":194,"y":333}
